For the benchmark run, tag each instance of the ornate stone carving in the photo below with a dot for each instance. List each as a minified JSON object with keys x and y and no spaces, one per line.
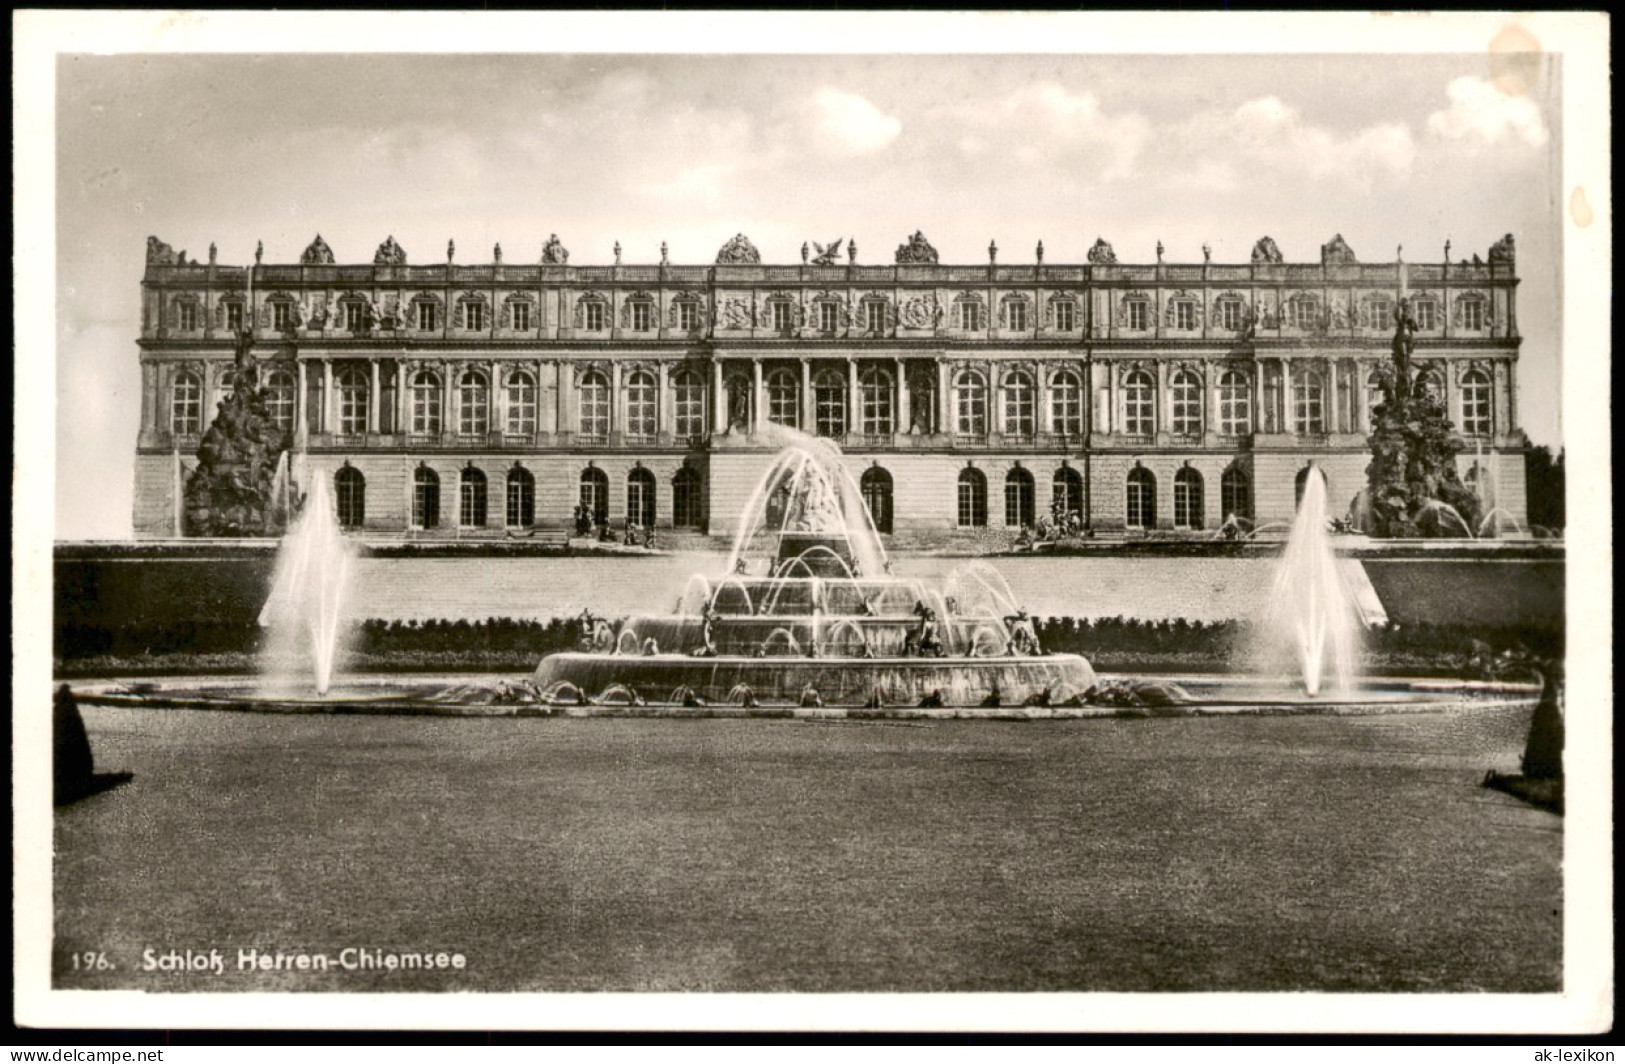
{"x":1340,"y":313}
{"x":1376,"y":311}
{"x":920,"y":312}
{"x":764,"y":310}
{"x":674,"y":313}
{"x":1122,"y":308}
{"x":1053,"y":303}
{"x":580,"y":317}
{"x":1504,"y":252}
{"x":1265,"y":252}
{"x":1224,"y":297}
{"x":1267,"y":315}
{"x":160,"y":253}
{"x":917,"y":250}
{"x":733,"y":313}
{"x":1008,"y":301}
{"x":460,"y":313}
{"x":317,"y":254}
{"x":637,"y":297}
{"x":553,"y":252}
{"x":318,"y":313}
{"x":390,"y":316}
{"x":1458,"y":309}
{"x":827,"y":253}
{"x":1170,"y":311}
{"x":738,"y":251}
{"x":389,"y":253}
{"x":888,"y":315}
{"x":1336,"y":252}
{"x":1102,"y":254}
{"x":514,"y":299}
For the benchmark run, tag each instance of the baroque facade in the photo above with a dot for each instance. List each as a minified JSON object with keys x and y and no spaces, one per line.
{"x":1155,"y":398}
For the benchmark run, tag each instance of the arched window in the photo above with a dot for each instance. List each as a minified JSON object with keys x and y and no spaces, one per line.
{"x":473,"y":405}
{"x":1476,"y":417}
{"x":1187,"y":498}
{"x":1066,"y":487}
{"x":876,"y":487}
{"x":1018,"y":498}
{"x":595,"y":494}
{"x":352,"y":392}
{"x":1308,"y":403}
{"x":426,"y":404}
{"x":689,"y":394}
{"x":640,"y":497}
{"x":350,"y":496}
{"x":1140,"y":510}
{"x":875,"y":387}
{"x":1187,"y":400}
{"x":592,"y":406}
{"x":784,"y":398}
{"x":1139,"y":404}
{"x":1066,"y":405}
{"x":640,"y":406}
{"x":1373,"y":399}
{"x":521,"y":403}
{"x":279,"y":389}
{"x":1236,"y":494}
{"x":471,"y":499}
{"x":972,"y":498}
{"x":1019,"y":405}
{"x":521,"y":510}
{"x":686,"y":501}
{"x":970,"y":404}
{"x":829,"y":403}
{"x":186,"y":404}
{"x":1430,"y":382}
{"x":1235,"y":404}
{"x":425,"y":498}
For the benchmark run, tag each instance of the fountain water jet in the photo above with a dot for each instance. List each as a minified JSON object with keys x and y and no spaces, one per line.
{"x":1310,"y":609}
{"x":312,"y":582}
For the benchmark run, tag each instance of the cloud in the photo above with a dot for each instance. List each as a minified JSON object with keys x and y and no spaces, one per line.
{"x":849,"y":124}
{"x":1480,"y":111}
{"x":1047,"y":122}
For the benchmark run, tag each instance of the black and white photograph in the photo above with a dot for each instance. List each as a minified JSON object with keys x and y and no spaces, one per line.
{"x":745,"y":521}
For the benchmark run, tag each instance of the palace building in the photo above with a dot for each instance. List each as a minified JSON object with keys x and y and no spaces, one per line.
{"x":452,"y":400}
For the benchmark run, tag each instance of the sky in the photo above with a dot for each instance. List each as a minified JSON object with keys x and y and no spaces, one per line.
{"x":1186,"y":149}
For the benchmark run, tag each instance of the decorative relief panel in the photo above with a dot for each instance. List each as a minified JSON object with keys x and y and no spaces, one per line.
{"x":920,"y":312}
{"x":733,"y":313}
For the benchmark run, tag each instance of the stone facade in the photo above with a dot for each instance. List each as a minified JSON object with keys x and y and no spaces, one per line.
{"x":1153,"y":397}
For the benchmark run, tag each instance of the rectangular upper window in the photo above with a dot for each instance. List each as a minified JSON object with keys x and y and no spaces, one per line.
{"x":187,"y":316}
{"x":1066,"y":315}
{"x":475,"y":315}
{"x":355,"y":317}
{"x":1184,"y":315}
{"x":1018,"y":316}
{"x":234,"y":317}
{"x":970,"y":317}
{"x":282,"y":316}
{"x":829,"y":317}
{"x":642,"y":317}
{"x":426,"y":317}
{"x":688,"y":315}
{"x":594,"y":316}
{"x":783,"y":319}
{"x":1135,"y":313}
{"x":521,"y":317}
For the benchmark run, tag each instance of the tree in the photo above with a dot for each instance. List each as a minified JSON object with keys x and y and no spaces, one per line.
{"x":1412,"y":475}
{"x":1545,"y":483}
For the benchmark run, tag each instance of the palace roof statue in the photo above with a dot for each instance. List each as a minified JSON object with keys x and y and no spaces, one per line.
{"x":1336,"y":252}
{"x":1102,"y":254}
{"x":553,"y":252}
{"x":389,"y":254}
{"x":1265,"y":252}
{"x":1503,"y":252}
{"x":317,"y":254}
{"x":917,"y":250}
{"x":739,"y":251}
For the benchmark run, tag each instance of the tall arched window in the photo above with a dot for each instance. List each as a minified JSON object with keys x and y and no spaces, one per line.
{"x":426,"y":403}
{"x":279,"y":389}
{"x":1373,"y":399}
{"x":784,"y":398}
{"x":473,"y":405}
{"x":1430,"y":382}
{"x":876,"y":487}
{"x":471,"y":499}
{"x":1236,"y":494}
{"x":1308,"y":403}
{"x":1476,"y":416}
{"x":352,"y":394}
{"x":592,"y":405}
{"x":595,"y":494}
{"x":1019,"y":402}
{"x":1139,"y":404}
{"x":521,"y":404}
{"x":829,"y":403}
{"x":425,"y":498}
{"x":1187,"y":498}
{"x":640,"y":406}
{"x":1067,"y":489}
{"x":970,"y":404}
{"x":186,"y":404}
{"x":1140,"y":510}
{"x":876,"y":393}
{"x":972,"y":498}
{"x":640,"y":497}
{"x":689,"y":393}
{"x":686,"y":501}
{"x":521,"y":509}
{"x":350,"y":496}
{"x":1187,"y":401}
{"x":1235,"y":404}
{"x":1018,"y":498}
{"x":1066,"y":405}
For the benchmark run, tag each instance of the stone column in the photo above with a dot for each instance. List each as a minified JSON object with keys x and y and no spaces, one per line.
{"x":758,"y":412}
{"x":327,"y":395}
{"x":945,"y":398}
{"x":1258,"y":395}
{"x":374,"y":398}
{"x":1210,"y":412}
{"x":905,"y":415}
{"x":854,"y":401}
{"x":1164,"y":406}
{"x":1331,"y":395}
{"x":664,"y":403}
{"x":808,"y":408}
{"x":403,"y":398}
{"x":498,"y":403}
{"x":301,"y":400}
{"x":617,"y":401}
{"x":719,"y":399}
{"x":447,"y":387}
{"x":1288,"y":423}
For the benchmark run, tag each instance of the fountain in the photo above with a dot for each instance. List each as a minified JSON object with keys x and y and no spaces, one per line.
{"x":806,"y":602}
{"x":311,"y":584}
{"x":1310,"y":610}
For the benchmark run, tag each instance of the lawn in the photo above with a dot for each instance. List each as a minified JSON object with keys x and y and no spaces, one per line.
{"x":1290,"y":853}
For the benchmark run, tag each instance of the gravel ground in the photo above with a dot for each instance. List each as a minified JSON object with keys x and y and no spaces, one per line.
{"x":1259,"y":854}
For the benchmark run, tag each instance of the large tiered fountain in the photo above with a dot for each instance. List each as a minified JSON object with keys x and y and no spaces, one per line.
{"x":806,"y":611}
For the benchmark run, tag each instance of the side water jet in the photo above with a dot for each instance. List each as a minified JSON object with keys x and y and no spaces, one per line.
{"x":1310,"y":610}
{"x":312,"y":582}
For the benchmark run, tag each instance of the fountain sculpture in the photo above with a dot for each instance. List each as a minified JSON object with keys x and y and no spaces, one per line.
{"x":1310,"y":609}
{"x":311,"y":584}
{"x":806,"y":610}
